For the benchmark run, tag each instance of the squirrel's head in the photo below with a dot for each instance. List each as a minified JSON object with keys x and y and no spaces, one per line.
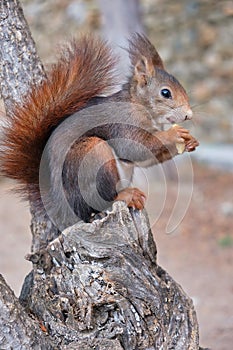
{"x":161,"y":93}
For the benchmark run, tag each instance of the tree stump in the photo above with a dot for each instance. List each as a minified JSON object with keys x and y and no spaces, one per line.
{"x":99,"y":284}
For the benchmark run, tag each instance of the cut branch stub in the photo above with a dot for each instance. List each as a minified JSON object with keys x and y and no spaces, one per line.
{"x":101,"y":281}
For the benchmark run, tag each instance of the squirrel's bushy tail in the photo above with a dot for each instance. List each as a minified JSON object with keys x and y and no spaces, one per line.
{"x":84,"y":70}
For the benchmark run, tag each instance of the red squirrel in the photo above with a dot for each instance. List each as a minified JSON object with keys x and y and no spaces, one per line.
{"x":42,"y":129}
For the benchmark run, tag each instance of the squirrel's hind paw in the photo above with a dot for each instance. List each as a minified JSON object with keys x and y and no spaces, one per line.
{"x":133,"y":197}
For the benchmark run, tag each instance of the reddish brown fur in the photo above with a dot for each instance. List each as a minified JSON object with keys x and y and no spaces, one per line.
{"x":85,"y":70}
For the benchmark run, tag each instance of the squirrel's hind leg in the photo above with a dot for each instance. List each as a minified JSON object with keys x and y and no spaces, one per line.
{"x":90,"y":177}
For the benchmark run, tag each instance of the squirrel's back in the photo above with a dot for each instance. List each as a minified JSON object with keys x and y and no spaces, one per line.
{"x":84,"y":70}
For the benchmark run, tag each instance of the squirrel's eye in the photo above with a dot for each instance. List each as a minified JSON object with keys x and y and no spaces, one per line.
{"x":166,"y":93}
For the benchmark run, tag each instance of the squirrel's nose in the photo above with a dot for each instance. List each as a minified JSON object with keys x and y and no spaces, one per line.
{"x":189,"y":114}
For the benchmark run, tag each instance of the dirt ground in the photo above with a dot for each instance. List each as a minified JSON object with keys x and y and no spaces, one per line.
{"x":198,"y":254}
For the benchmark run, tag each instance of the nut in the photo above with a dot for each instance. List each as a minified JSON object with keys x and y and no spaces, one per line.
{"x":180,"y":146}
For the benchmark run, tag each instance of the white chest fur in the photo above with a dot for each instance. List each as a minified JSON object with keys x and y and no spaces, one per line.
{"x":125,"y":170}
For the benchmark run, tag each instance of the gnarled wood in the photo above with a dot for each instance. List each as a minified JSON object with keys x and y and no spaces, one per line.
{"x":18,"y":330}
{"x":101,"y":280}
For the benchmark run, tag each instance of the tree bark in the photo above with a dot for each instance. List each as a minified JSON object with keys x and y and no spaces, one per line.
{"x":94,"y":285}
{"x":101,"y":281}
{"x":18,"y":330}
{"x":20,"y":66}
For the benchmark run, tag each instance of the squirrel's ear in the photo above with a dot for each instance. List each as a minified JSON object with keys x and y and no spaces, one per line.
{"x":143,"y":71}
{"x":140,"y":48}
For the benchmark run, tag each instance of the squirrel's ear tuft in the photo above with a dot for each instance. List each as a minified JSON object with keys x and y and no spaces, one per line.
{"x":140,"y":48}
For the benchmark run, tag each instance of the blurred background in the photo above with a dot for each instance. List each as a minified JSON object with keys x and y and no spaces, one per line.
{"x":195,"y":40}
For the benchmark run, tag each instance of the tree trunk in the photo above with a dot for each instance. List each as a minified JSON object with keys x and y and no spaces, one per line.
{"x":99,"y":283}
{"x":19,"y":64}
{"x":94,"y":285}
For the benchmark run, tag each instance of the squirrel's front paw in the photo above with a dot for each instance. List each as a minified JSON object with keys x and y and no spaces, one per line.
{"x":178,"y":134}
{"x":183,"y":140}
{"x":133,"y":197}
{"x":191,"y":145}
